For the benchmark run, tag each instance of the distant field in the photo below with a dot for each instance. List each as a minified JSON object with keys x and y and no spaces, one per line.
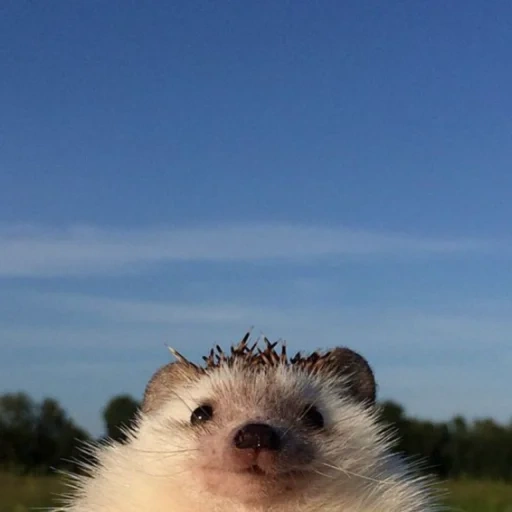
{"x":479,"y":496}
{"x":21,"y":494}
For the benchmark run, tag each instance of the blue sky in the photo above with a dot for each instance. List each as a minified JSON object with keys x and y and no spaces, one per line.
{"x":327,"y":172}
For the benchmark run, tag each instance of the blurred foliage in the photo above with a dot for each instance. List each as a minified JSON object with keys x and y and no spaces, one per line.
{"x":118,"y":415}
{"x":37,"y":437}
{"x":454,"y":449}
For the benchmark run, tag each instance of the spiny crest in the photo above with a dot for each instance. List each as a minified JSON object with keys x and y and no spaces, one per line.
{"x":256,"y":357}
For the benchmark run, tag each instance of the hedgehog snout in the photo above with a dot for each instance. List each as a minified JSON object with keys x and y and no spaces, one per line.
{"x":257,"y":436}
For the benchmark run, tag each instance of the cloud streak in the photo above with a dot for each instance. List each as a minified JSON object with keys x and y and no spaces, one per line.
{"x":458,"y":329}
{"x":35,"y":251}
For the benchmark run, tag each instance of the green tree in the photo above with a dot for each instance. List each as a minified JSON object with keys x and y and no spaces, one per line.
{"x":37,"y":436}
{"x":119,"y":414}
{"x":58,"y":439}
{"x":17,"y":425}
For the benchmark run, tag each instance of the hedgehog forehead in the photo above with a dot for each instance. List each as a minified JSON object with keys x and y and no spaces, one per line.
{"x":241,"y":379}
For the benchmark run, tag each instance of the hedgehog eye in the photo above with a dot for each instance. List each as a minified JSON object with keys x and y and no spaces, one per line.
{"x":312,"y":417}
{"x":201,"y":414}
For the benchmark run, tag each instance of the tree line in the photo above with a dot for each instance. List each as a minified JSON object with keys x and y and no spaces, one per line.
{"x":41,"y":437}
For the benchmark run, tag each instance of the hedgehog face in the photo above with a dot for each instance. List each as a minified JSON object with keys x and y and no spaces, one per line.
{"x":253,"y":432}
{"x":257,"y":428}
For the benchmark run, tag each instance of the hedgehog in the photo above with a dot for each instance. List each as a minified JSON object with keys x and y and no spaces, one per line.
{"x":253,"y":430}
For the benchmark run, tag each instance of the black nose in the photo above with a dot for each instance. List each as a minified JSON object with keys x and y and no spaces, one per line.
{"x":257,"y":436}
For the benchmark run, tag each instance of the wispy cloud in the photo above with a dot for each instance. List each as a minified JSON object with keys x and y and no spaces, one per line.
{"x":77,"y":250}
{"x":442,"y":328}
{"x":136,"y":311}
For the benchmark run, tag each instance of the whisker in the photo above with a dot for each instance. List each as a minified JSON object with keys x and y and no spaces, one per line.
{"x":322,"y":474}
{"x":183,"y":401}
{"x":350,"y":473}
{"x":163,"y":452}
{"x":300,"y":417}
{"x":170,"y":455}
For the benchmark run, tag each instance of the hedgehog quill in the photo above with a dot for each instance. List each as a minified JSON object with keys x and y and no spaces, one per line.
{"x":252,"y":430}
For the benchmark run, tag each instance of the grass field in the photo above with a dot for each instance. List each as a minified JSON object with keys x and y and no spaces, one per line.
{"x":479,"y":496}
{"x":21,"y":494}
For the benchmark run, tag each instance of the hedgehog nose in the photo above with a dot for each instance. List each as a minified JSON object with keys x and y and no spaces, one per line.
{"x":257,"y":436}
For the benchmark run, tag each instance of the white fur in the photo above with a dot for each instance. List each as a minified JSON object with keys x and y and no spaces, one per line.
{"x":151,"y":472}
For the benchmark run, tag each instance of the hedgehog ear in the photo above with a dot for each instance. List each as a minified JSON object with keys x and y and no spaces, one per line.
{"x":164,"y":381}
{"x":356,"y":374}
